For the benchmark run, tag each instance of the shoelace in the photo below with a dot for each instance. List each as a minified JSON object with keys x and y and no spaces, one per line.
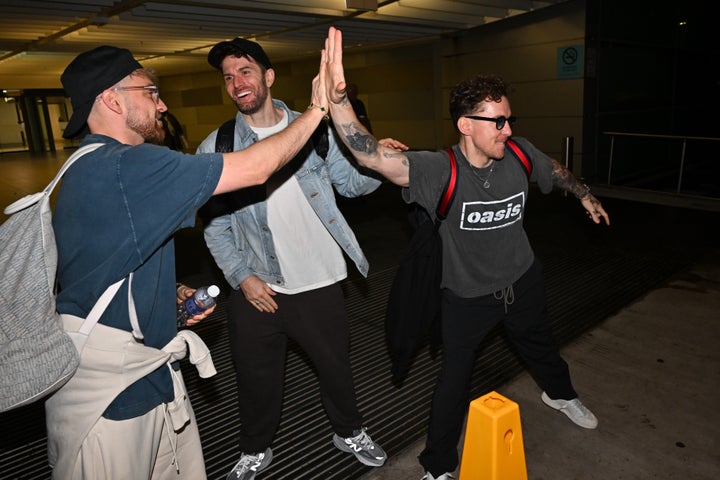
{"x":361,"y":441}
{"x":577,"y":407}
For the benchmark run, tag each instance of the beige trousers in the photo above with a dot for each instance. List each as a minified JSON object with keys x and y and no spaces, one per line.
{"x":161,"y":444}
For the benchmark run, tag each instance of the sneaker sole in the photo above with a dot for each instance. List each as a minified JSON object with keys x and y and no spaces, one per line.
{"x":340,"y":445}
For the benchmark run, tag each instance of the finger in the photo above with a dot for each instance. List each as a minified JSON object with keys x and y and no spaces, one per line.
{"x":272,"y":306}
{"x":338,"y":46}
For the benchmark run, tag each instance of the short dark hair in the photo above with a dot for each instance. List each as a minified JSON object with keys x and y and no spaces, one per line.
{"x":238,"y":47}
{"x":465,"y":96}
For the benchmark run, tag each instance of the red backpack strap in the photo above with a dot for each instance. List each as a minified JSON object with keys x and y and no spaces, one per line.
{"x":449,"y":191}
{"x":520,"y":155}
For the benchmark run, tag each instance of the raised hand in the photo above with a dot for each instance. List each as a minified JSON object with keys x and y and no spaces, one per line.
{"x":335,"y":80}
{"x":319,"y":87}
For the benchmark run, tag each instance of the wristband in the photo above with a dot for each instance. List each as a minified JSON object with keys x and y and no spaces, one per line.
{"x":312,"y":105}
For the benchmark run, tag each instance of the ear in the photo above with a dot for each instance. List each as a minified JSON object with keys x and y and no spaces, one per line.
{"x":112,"y":100}
{"x":269,"y":77}
{"x":464,"y":126}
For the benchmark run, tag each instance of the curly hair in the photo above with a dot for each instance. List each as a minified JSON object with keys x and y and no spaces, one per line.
{"x":465,"y":96}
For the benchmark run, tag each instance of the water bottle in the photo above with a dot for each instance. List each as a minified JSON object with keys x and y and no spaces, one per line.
{"x":202,"y":299}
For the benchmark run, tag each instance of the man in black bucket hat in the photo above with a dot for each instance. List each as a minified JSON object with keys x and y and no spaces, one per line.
{"x":125,"y":413}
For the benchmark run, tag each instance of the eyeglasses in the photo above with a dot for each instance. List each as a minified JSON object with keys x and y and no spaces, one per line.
{"x":153,"y":89}
{"x":499,"y":121}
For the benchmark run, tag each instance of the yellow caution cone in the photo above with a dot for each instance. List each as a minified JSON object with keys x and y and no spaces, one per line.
{"x":493,"y":448}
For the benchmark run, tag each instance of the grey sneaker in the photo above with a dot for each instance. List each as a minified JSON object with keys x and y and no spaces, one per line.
{"x":574,"y":409}
{"x":366,"y":451}
{"x":250,"y":464}
{"x":444,"y":476}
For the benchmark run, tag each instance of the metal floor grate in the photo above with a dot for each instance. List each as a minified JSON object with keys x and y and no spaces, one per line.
{"x":395,"y":416}
{"x":584,"y":286}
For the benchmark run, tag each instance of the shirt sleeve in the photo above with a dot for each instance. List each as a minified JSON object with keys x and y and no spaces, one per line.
{"x":429,"y":172}
{"x":542,"y":164}
{"x":170,"y":184}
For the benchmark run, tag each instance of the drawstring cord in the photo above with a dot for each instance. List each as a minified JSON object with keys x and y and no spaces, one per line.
{"x":170,"y":432}
{"x":507,"y":295}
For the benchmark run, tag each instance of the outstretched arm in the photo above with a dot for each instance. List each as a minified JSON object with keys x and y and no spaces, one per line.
{"x":389,"y":162}
{"x":565,"y":180}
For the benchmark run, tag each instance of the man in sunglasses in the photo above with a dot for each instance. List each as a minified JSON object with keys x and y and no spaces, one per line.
{"x":490,"y":273}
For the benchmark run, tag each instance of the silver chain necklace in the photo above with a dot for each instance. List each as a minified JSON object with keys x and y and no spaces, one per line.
{"x":485,"y":181}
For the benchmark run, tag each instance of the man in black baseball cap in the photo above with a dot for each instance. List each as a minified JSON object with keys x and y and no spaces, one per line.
{"x":87,"y":76}
{"x":238,"y":47}
{"x":287,"y":278}
{"x":124,"y":413}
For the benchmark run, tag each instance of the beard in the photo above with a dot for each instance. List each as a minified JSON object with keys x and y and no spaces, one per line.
{"x":150,"y":130}
{"x":254,"y":106}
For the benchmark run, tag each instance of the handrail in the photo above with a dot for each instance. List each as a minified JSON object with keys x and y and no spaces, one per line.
{"x":684,"y":139}
{"x":628,"y":134}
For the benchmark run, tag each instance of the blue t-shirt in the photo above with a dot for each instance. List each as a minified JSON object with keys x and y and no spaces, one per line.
{"x":116,"y":211}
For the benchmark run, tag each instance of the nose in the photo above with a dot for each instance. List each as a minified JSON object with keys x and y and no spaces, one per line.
{"x":161,"y":105}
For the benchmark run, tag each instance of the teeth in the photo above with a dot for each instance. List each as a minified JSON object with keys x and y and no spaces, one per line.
{"x":244,"y":94}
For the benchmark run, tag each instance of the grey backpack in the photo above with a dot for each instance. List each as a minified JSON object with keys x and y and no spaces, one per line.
{"x":36,"y":355}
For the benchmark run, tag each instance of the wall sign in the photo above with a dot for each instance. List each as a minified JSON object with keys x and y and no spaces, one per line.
{"x":570,"y":61}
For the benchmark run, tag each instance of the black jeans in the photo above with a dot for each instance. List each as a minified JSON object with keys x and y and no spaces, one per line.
{"x":465,"y":322}
{"x":317,"y":321}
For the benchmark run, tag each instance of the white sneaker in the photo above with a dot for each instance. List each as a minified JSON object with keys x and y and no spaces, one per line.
{"x":574,"y":409}
{"x":366,"y":451}
{"x":249,"y":465}
{"x":444,"y":476}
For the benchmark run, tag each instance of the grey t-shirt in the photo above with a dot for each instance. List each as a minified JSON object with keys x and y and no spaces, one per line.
{"x":485,"y":248}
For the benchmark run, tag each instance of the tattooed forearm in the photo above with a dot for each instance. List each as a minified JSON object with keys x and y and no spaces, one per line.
{"x":564,"y":179}
{"x":358,"y":139}
{"x":399,"y":155}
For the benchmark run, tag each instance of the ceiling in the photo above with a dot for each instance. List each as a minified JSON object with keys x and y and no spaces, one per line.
{"x":39,"y":38}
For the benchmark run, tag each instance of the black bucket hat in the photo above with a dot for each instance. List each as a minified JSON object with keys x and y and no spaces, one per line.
{"x":87,"y":76}
{"x":238,"y":47}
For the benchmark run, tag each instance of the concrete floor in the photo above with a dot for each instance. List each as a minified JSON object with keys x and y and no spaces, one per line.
{"x":651,"y":374}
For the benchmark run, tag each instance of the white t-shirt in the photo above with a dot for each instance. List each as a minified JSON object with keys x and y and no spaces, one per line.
{"x":309,"y":256}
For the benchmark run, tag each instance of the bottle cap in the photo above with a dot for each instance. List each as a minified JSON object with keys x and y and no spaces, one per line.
{"x":213,"y":291}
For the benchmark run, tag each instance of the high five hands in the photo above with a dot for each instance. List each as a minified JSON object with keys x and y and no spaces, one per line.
{"x":335,"y":74}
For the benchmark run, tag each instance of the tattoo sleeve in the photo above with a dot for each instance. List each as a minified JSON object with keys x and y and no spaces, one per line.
{"x":564,"y":179}
{"x":358,"y":139}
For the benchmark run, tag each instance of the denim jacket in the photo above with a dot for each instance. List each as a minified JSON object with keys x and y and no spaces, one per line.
{"x":242,"y":242}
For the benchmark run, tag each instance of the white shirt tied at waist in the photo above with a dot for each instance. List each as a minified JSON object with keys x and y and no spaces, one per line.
{"x":200,"y":357}
{"x":110,"y":361}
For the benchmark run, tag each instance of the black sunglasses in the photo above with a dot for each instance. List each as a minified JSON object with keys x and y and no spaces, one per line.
{"x":499,"y":122}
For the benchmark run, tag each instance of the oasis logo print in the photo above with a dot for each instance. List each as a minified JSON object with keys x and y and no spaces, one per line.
{"x":492,"y":215}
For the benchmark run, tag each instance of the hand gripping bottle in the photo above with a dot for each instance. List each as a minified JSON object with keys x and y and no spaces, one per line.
{"x":202,"y":299}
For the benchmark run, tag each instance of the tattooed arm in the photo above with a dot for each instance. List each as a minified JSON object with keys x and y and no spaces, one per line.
{"x":378,"y":156}
{"x":565,"y":180}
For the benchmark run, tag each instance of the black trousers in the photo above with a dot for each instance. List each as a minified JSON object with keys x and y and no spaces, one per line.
{"x":317,"y":321}
{"x":465,"y":322}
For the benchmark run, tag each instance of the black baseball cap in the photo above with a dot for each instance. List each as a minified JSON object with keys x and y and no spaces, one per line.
{"x":87,"y":76}
{"x":238,"y":47}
